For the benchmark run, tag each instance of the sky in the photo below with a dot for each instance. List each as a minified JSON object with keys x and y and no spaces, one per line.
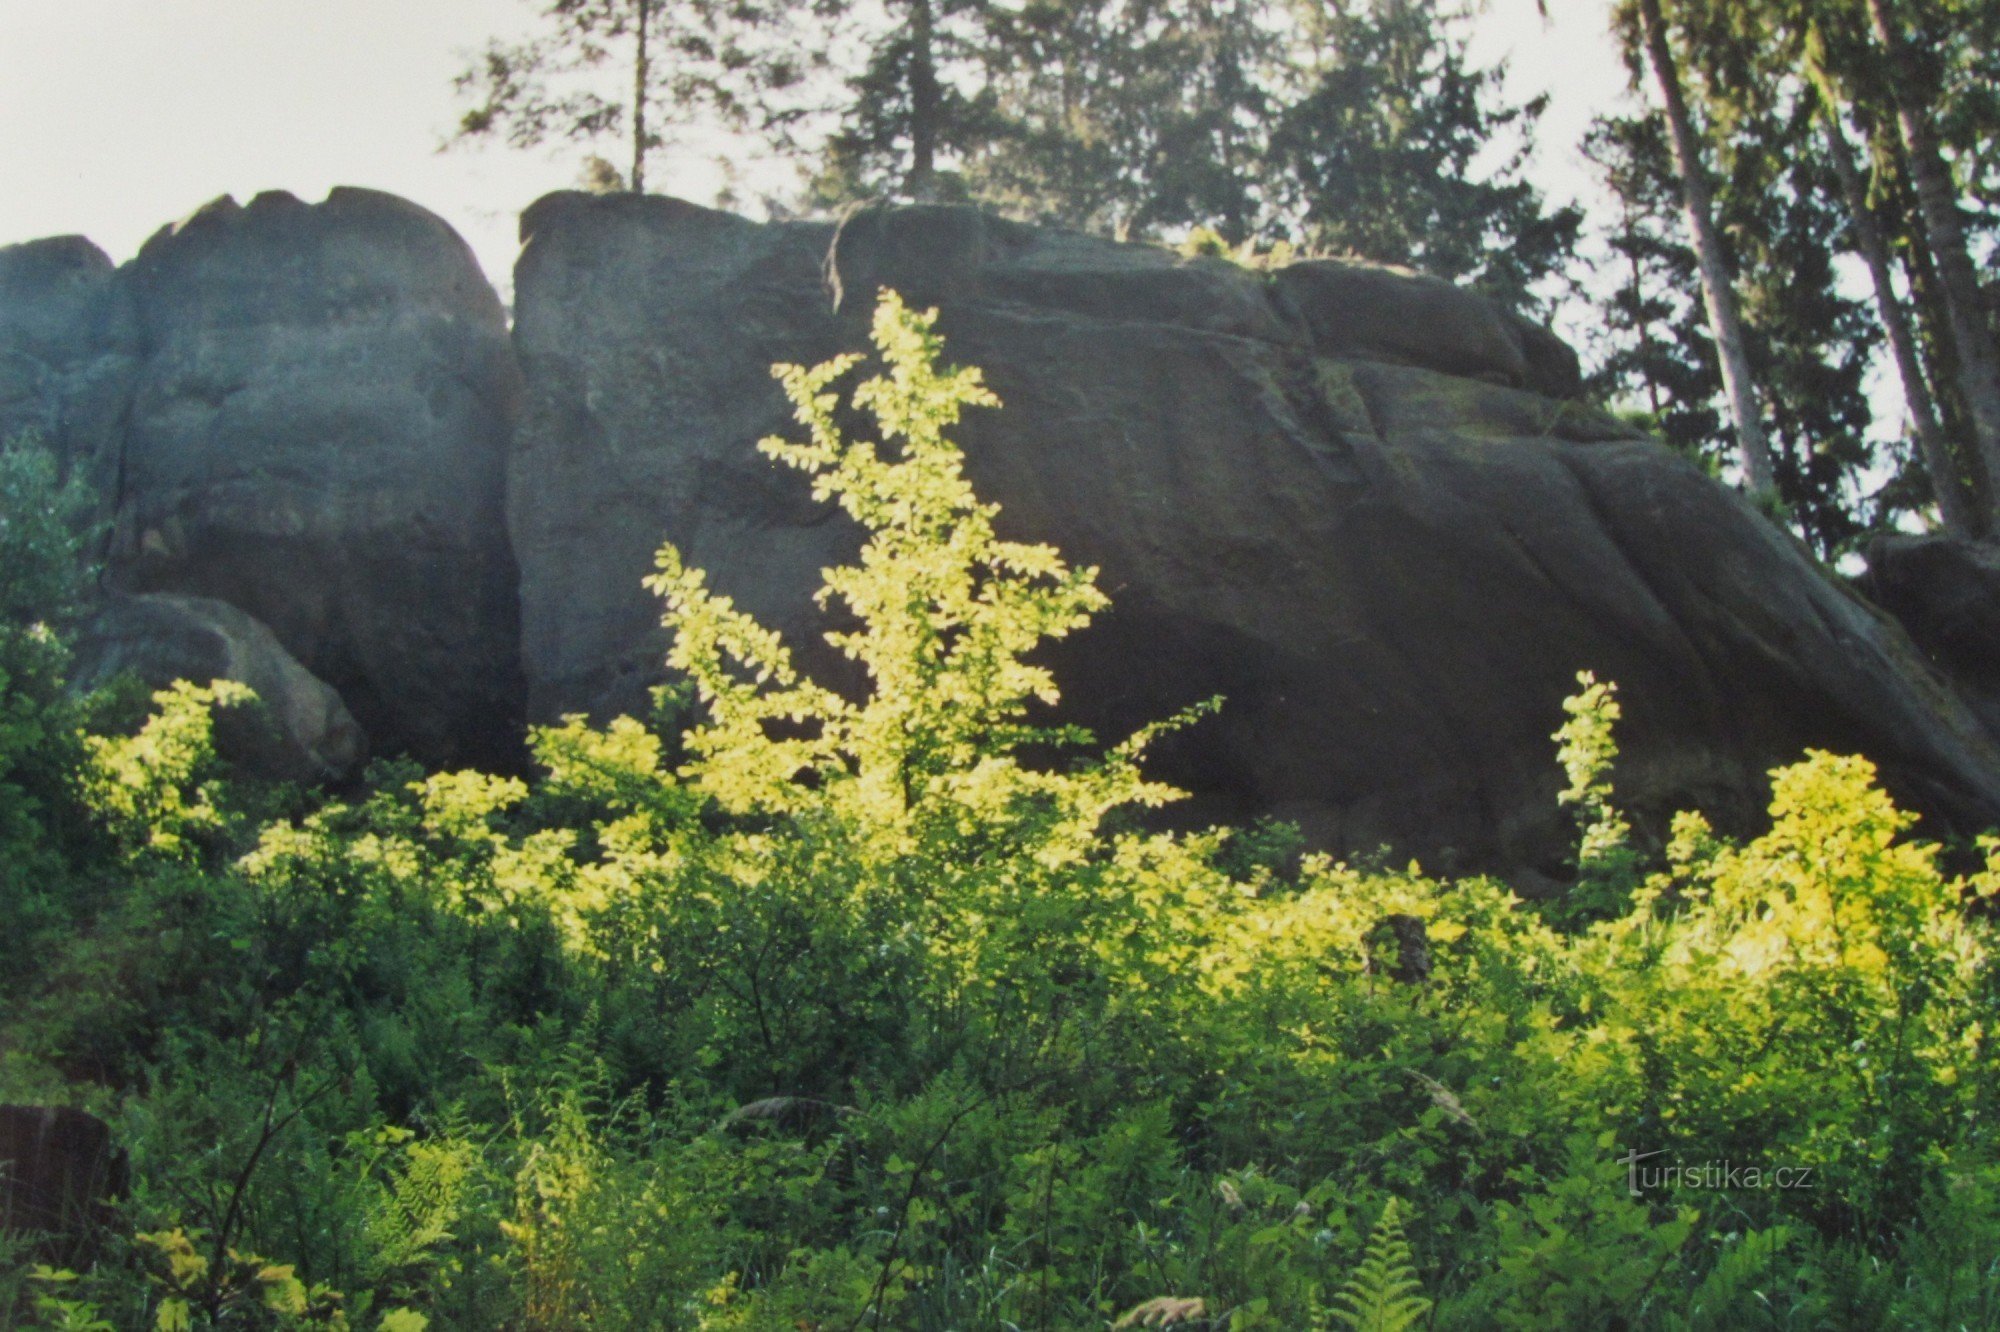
{"x":119,"y":116}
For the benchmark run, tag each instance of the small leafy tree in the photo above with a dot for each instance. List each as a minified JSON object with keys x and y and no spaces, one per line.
{"x":947,"y":612}
{"x":1608,"y":867}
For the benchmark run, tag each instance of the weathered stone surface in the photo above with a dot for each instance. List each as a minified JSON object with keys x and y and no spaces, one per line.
{"x":1946,"y":593}
{"x":299,"y":730}
{"x":1363,"y":504}
{"x":1326,"y":494}
{"x":58,"y":1169}
{"x":66,"y":362}
{"x":317,"y":435}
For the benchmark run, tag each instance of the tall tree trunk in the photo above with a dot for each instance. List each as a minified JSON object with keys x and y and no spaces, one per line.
{"x":925,"y":101}
{"x":1653,"y":400}
{"x":1940,"y":354}
{"x":1718,"y":293}
{"x":1944,"y":234}
{"x":642,"y":77}
{"x":1954,"y":506}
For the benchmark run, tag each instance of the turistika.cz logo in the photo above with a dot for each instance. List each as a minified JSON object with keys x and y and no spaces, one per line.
{"x":1711,"y":1175}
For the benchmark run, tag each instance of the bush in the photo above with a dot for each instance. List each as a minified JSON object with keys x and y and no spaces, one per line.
{"x":874,"y":1010}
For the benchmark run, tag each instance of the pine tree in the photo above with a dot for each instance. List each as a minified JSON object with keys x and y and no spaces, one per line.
{"x":1944,"y":229}
{"x":1128,"y":118}
{"x":607,"y":70}
{"x":1915,"y":105}
{"x":1380,"y":155}
{"x":1651,"y":346}
{"x":907,"y":100}
{"x":1644,"y":24}
{"x":1956,"y":508}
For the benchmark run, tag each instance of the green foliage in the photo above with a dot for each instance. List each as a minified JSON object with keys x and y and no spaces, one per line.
{"x":1607,"y":865}
{"x":240,"y":1291}
{"x":43,"y":579}
{"x":659,"y":55}
{"x":1401,"y":151}
{"x":1383,"y":1295}
{"x":57,"y":1314}
{"x":884,"y":1007}
{"x":946,"y":614}
{"x":42,"y":573}
{"x":157,"y":792}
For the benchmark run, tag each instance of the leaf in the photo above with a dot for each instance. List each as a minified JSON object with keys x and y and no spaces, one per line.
{"x":1383,"y":1295}
{"x":283,"y":1292}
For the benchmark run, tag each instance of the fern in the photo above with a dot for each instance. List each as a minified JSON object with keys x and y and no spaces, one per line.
{"x":1732,"y":1284}
{"x":1383,"y":1295}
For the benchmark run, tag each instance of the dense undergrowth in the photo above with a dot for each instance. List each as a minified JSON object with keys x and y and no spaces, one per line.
{"x":792,"y":1011}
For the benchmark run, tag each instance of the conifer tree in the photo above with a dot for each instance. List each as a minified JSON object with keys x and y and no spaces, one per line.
{"x":597,"y":71}
{"x":1644,"y":23}
{"x":1380,"y":154}
{"x":1945,"y":233}
{"x":1125,"y":118}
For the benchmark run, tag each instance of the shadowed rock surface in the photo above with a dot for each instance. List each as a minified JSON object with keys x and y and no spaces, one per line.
{"x":317,"y":436}
{"x":1363,"y":504}
{"x":1329,"y":494}
{"x":67,"y":358}
{"x":298,"y":730}
{"x":1946,"y":593}
{"x":58,"y":1168}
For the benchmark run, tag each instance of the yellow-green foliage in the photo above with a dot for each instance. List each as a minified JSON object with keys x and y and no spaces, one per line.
{"x":946,"y":614}
{"x":887,"y":1009}
{"x":1586,"y":750}
{"x":155,"y":790}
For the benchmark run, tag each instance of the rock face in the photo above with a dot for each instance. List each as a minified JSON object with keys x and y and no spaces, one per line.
{"x":58,"y":1167}
{"x":1946,"y":593}
{"x":317,"y":436}
{"x":299,"y":730}
{"x":1364,"y":505}
{"x":66,"y":356}
{"x":1354,"y":501}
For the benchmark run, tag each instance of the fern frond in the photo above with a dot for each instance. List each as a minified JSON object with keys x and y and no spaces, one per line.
{"x":1383,"y":1294}
{"x":1731,"y":1285}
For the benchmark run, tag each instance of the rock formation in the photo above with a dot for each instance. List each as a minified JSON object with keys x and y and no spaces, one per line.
{"x":299,"y":730}
{"x":1364,"y":505}
{"x":306,"y":412}
{"x":1946,"y":592}
{"x":59,"y":1168}
{"x":66,"y":360}
{"x":1331,"y":493}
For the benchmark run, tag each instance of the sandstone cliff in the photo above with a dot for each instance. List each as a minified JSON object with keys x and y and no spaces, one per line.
{"x":1364,"y":505}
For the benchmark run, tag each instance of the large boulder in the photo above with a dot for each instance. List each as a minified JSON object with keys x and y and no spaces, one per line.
{"x":1946,"y":593}
{"x":299,"y":730}
{"x":317,"y":435}
{"x":1356,"y":502}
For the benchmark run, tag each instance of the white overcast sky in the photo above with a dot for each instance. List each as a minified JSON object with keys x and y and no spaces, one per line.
{"x":119,"y":116}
